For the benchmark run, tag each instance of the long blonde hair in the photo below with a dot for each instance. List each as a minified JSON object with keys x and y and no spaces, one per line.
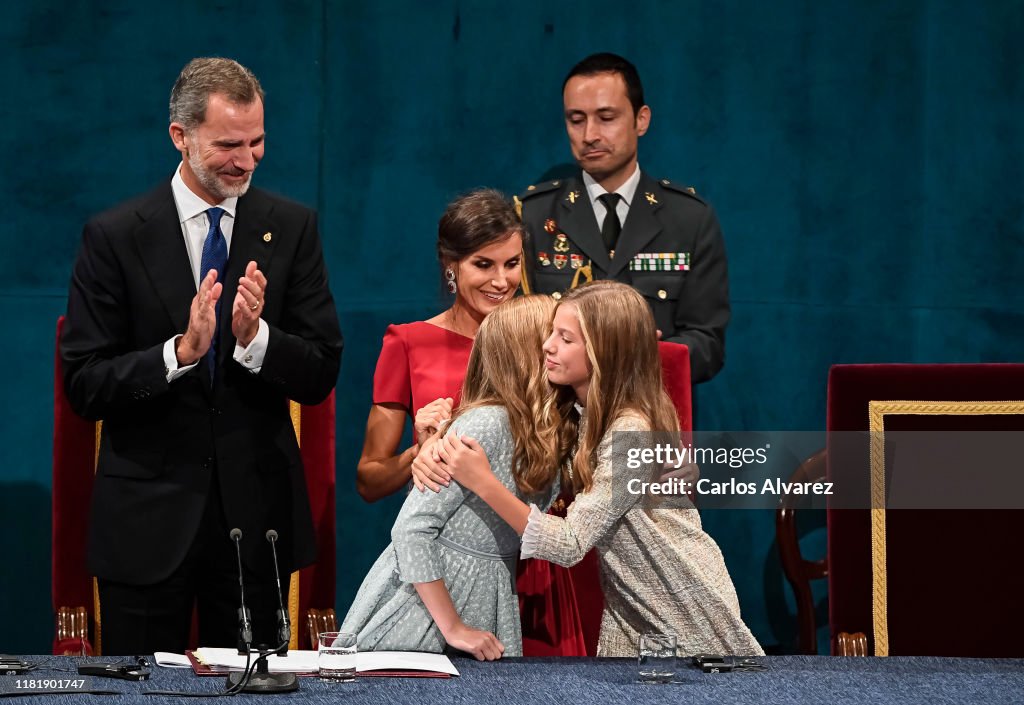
{"x":506,"y":368}
{"x":622,"y":346}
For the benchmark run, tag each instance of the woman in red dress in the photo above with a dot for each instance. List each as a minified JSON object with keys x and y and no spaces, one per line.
{"x":419,"y":374}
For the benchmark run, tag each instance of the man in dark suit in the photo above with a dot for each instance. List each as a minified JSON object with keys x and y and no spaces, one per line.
{"x":661,"y":237}
{"x":194,"y":313}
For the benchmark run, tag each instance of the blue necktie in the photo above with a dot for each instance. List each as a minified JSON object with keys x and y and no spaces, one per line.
{"x":215,"y":256}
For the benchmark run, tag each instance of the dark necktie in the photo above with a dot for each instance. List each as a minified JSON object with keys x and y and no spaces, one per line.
{"x":215,"y":256}
{"x":612,"y":227}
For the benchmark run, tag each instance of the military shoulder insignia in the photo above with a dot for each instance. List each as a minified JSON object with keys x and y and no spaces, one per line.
{"x":536,"y":189}
{"x":680,"y":188}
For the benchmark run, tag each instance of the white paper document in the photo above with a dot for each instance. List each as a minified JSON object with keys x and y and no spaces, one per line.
{"x":306,"y":661}
{"x":169,"y":660}
{"x":404,"y":661}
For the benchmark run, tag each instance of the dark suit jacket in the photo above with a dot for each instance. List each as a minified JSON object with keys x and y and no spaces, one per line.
{"x":690,"y":307}
{"x":131,"y":290}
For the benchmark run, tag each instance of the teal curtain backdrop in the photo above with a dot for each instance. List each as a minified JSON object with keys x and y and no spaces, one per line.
{"x":865,"y":160}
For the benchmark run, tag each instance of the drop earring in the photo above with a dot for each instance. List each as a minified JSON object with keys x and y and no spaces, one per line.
{"x":449,"y":274}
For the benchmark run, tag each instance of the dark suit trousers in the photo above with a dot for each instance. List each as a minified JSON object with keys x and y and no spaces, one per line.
{"x":143,"y":619}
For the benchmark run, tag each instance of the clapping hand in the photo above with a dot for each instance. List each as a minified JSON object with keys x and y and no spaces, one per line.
{"x":248,"y":305}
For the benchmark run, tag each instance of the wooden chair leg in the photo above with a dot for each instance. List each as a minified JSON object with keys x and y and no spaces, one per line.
{"x":320,"y":621}
{"x":855,"y":644}
{"x":72,"y":632}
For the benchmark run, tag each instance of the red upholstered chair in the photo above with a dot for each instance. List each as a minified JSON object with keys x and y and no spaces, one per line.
{"x":75,"y":600}
{"x":314,"y":586}
{"x":941,"y":581}
{"x":675,"y":372}
{"x":74,"y":463}
{"x":675,"y":368}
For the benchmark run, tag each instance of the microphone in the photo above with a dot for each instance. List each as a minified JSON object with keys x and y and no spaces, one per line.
{"x":284,"y":626}
{"x":244,"y":616}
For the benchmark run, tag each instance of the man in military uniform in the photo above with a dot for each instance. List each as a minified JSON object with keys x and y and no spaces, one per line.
{"x":613,"y":221}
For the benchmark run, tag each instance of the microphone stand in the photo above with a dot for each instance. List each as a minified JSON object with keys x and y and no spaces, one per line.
{"x":244,"y":616}
{"x":263,"y":681}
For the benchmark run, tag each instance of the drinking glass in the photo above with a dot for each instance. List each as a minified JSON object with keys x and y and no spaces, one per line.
{"x":336,"y":657}
{"x":656,"y":662}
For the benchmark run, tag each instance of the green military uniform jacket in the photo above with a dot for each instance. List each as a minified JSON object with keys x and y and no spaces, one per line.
{"x":670,"y":250}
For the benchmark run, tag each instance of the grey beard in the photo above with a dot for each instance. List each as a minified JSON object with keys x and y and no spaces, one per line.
{"x":214,"y":185}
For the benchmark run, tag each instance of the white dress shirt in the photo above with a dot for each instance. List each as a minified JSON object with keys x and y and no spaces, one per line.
{"x":195,"y":224}
{"x":627,"y":191}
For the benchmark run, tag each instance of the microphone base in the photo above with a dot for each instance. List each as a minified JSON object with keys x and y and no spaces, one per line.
{"x":265,"y":682}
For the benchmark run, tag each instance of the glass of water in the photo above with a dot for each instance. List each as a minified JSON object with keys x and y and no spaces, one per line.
{"x":336,"y":657}
{"x":657,"y":659}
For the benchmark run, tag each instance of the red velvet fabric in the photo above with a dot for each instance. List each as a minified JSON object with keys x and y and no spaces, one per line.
{"x":953,"y":584}
{"x":675,"y":373}
{"x":552,"y":604}
{"x":74,"y":453}
{"x":317,"y":445}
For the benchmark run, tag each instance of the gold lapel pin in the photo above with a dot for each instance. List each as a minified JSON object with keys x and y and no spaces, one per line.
{"x":650,"y":198}
{"x":573,"y":195}
{"x":267,"y":237}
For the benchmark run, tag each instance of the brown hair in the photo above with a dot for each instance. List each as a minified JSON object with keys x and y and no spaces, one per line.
{"x":205,"y":76}
{"x":506,"y":368}
{"x":622,"y":346}
{"x":474,"y":220}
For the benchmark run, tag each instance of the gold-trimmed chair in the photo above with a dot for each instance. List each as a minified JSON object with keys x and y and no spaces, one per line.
{"x":920,"y":558}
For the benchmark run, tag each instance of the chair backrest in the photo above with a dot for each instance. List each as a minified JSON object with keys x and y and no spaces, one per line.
{"x":74,"y":462}
{"x":75,"y":442}
{"x":675,"y":373}
{"x":800,"y":571}
{"x":924,"y":582}
{"x":316,"y":583}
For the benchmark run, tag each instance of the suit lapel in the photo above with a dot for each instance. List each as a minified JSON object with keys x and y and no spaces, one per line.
{"x":580,"y":222}
{"x":249,"y":241}
{"x":162,"y":250}
{"x":640,"y":228}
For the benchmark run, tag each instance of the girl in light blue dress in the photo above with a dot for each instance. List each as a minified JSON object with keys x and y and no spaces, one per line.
{"x":448,"y":577}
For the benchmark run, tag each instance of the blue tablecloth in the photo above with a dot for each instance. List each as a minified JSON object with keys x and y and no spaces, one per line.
{"x":789,"y":679}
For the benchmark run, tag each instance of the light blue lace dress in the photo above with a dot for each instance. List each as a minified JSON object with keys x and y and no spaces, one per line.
{"x":451,"y":535}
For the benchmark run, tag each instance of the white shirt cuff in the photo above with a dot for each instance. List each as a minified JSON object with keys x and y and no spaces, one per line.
{"x":251,"y":357}
{"x":171,"y":361}
{"x":532,"y":533}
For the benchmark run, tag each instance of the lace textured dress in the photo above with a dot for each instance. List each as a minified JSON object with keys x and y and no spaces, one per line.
{"x":659,"y":571}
